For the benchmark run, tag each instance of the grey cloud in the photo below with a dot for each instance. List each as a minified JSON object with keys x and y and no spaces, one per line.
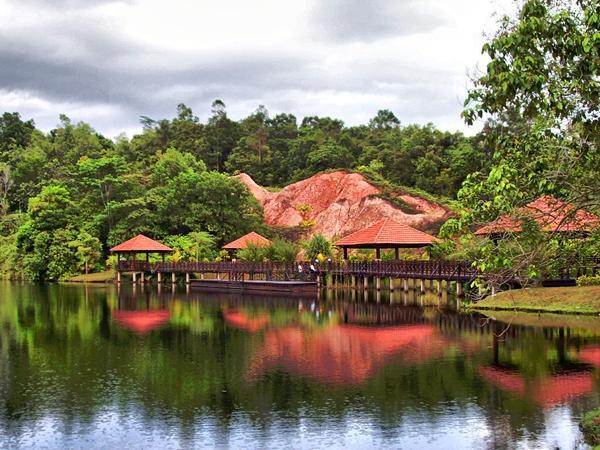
{"x":359,"y":20}
{"x":77,"y":60}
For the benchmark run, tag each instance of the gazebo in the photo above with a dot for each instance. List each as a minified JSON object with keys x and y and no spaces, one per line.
{"x":250,"y":238}
{"x":386,"y":234}
{"x":551,"y":214}
{"x":141,"y":244}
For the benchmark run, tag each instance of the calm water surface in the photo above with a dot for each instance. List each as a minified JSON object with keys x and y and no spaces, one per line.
{"x":93,"y":367}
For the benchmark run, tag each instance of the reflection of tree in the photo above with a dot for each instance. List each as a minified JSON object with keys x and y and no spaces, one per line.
{"x":63,"y":356}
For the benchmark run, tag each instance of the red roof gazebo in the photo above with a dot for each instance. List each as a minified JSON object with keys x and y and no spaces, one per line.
{"x":551,"y":214}
{"x":250,"y":238}
{"x":141,"y":244}
{"x":386,"y":234}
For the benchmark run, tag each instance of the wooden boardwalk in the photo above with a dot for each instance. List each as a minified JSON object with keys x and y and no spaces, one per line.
{"x":424,"y":270}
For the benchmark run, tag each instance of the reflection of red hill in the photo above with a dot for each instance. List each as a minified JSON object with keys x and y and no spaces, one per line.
{"x":345,"y":354}
{"x":141,"y":321}
{"x":548,"y":392}
{"x":241,"y":320}
{"x":590,"y":355}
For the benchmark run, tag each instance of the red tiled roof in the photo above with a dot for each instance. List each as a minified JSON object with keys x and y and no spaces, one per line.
{"x":550,"y":213}
{"x":243,"y":242}
{"x":387,"y":232}
{"x":141,"y":243}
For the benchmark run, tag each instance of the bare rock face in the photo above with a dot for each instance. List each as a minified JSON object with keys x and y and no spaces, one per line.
{"x":339,"y":203}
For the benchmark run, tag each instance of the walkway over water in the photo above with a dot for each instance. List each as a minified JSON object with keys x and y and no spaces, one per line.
{"x":424,"y":270}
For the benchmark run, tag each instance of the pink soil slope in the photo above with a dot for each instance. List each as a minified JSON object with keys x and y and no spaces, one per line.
{"x":340,"y":203}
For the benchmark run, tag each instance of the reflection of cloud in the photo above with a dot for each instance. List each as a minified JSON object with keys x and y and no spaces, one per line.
{"x":241,"y":320}
{"x":345,"y":354}
{"x":548,"y":392}
{"x":142,"y":322}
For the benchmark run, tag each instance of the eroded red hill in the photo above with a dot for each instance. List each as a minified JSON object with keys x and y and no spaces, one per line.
{"x":340,"y":203}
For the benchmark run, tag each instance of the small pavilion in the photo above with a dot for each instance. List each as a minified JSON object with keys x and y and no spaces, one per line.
{"x":244,"y":241}
{"x":141,"y":244}
{"x":386,"y":234}
{"x":551,"y":214}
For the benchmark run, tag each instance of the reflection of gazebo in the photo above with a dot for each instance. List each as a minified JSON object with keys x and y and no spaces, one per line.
{"x":551,"y":214}
{"x":241,"y":320}
{"x":243,"y":242}
{"x":546,"y":392}
{"x":141,"y":244}
{"x":386,"y":234}
{"x":344,"y":354}
{"x":142,"y":322}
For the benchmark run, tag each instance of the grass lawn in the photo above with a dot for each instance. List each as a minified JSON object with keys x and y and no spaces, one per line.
{"x":99,"y":277}
{"x":577,"y":300}
{"x":581,"y":322}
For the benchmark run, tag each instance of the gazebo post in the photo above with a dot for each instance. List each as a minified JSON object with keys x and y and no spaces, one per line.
{"x":345,"y":252}
{"x":397,"y":252}
{"x":377,"y":253}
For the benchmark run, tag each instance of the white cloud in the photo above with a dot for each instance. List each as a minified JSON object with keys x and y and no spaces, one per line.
{"x":108,"y":62}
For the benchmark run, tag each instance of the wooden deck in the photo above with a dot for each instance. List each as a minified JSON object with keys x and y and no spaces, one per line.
{"x":239,"y":271}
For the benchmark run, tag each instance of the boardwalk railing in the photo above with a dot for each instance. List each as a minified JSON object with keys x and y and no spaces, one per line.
{"x":426,"y":270}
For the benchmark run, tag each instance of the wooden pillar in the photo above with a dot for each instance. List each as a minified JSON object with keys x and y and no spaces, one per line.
{"x":377,"y":283}
{"x":377,"y":254}
{"x":187,"y":278}
{"x":142,"y":277}
{"x":422,"y":286}
{"x":459,"y":289}
{"x":366,"y":283}
{"x":173,"y":278}
{"x":397,"y":253}
{"x":118,"y":277}
{"x":134,"y":277}
{"x":345,"y":252}
{"x":439,"y":287}
{"x":405,"y":284}
{"x":159,"y":277}
{"x":391,"y":284}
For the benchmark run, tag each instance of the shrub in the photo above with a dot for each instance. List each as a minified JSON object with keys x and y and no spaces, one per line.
{"x":253,"y":252}
{"x":588,"y":280}
{"x":281,"y":250}
{"x":590,"y":425}
{"x":318,"y":246}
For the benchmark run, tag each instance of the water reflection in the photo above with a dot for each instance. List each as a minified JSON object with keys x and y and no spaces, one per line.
{"x":135,"y":368}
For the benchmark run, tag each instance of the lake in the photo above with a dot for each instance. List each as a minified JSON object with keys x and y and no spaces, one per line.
{"x":96,"y":367}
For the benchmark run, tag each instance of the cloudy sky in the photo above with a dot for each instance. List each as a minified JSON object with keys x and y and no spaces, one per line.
{"x":109,"y":62}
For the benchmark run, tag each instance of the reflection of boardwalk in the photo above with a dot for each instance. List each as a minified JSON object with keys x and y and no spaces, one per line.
{"x":345,"y":354}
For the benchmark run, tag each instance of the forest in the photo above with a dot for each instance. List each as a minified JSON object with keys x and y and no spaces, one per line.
{"x":68,"y":195}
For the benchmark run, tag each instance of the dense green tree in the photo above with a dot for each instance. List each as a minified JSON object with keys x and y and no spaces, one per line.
{"x":542,"y":92}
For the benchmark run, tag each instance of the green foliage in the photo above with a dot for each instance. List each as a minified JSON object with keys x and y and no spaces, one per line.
{"x":281,"y":250}
{"x":541,"y":91}
{"x":590,"y":425}
{"x":318,"y":247}
{"x":587,"y":280}
{"x":83,"y":193}
{"x":253,"y":252}
{"x":195,"y":246}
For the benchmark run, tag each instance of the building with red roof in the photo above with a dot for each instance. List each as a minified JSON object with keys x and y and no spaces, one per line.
{"x":141,"y":244}
{"x":551,"y":214}
{"x":244,"y":241}
{"x":386,"y":234}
